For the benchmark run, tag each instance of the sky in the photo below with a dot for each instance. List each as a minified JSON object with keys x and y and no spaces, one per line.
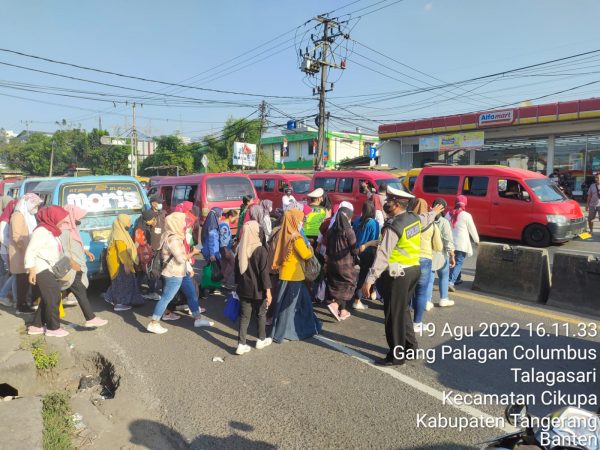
{"x":398,"y":55}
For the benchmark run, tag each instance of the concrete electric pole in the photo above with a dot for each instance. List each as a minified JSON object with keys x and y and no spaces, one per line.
{"x":133,"y":158}
{"x":321,"y":64}
{"x":263,"y":114}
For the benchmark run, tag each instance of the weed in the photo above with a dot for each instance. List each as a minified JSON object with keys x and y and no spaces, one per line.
{"x":43,"y":360}
{"x":58,"y":422}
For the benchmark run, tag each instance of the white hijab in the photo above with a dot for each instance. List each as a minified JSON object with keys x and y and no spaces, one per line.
{"x":25,"y":205}
{"x":342,"y":205}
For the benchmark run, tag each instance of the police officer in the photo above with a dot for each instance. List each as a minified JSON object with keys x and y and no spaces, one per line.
{"x":318,"y":214}
{"x":397,"y":263}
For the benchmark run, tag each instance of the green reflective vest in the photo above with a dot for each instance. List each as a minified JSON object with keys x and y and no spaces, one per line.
{"x":408,"y":249}
{"x":313,"y":221}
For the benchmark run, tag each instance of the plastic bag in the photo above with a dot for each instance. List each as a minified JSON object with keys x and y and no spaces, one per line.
{"x":232,"y":307}
{"x":321,"y":291}
{"x":207,"y":281}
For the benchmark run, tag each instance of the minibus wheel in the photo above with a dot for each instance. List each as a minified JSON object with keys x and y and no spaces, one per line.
{"x":537,"y":235}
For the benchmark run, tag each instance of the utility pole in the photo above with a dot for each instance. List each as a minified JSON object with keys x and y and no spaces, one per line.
{"x":263,"y":113}
{"x":322,"y":63}
{"x":51,"y":158}
{"x":133,"y":157}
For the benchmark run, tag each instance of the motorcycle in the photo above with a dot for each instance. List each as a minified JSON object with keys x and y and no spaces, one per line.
{"x":566,"y":429}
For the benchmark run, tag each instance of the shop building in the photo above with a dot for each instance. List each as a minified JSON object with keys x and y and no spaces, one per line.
{"x":541,"y":138}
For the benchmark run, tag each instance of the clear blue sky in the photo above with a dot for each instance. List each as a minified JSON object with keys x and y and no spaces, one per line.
{"x":173,"y":41}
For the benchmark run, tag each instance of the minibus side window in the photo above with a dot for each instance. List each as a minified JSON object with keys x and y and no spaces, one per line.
{"x":184,"y":193}
{"x":270,"y":185}
{"x":327,"y":184}
{"x":511,"y":189}
{"x":345,"y":185}
{"x":442,"y":184}
{"x":258,"y":185}
{"x":475,"y":186}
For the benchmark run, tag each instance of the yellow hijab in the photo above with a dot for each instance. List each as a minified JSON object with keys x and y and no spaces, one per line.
{"x":120,"y":233}
{"x":290,"y":231}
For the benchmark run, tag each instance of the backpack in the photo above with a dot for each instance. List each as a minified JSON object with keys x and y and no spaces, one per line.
{"x":157,"y":264}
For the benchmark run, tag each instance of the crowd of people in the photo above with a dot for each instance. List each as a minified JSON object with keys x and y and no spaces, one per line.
{"x":277,"y":264}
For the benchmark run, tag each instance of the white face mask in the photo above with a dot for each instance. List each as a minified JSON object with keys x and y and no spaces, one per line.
{"x":159,"y":207}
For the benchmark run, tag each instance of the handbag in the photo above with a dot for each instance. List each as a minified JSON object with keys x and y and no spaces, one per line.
{"x":216,"y":274}
{"x":312,"y":268}
{"x":232,"y":307}
{"x":207,"y":281}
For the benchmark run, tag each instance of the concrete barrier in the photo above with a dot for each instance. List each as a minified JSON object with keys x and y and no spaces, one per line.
{"x":576,"y":282}
{"x":522,"y":273}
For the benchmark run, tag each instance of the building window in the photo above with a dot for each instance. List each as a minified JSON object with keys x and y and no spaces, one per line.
{"x":270,"y":185}
{"x":258,"y":184}
{"x":434,"y":184}
{"x":327,"y":184}
{"x":475,"y":186}
{"x":345,"y":185}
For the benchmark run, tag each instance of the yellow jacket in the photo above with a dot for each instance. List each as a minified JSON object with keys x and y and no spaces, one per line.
{"x":292,"y":268}
{"x":117,"y":254}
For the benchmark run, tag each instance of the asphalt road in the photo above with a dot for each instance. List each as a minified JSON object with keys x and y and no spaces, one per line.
{"x":323,"y":392}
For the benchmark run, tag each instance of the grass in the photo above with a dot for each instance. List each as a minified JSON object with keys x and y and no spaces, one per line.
{"x":58,"y":423}
{"x":43,"y":360}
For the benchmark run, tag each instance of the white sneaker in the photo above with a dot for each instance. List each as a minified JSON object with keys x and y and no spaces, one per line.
{"x":157,"y":328}
{"x":260,"y":344}
{"x":418,"y":327}
{"x":71,"y":300}
{"x":429,"y":306}
{"x":199,"y":323}
{"x":120,"y":307}
{"x":5,"y":302}
{"x":242,"y":348}
{"x":444,"y":302}
{"x":152,"y":296}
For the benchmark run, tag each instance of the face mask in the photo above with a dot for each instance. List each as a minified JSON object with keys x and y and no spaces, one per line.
{"x":78,"y":222}
{"x":159,"y":207}
{"x":387,"y":208}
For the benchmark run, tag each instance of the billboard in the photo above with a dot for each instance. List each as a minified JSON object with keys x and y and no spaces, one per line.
{"x":496,"y":118}
{"x":244,"y":154}
{"x":452,"y":142}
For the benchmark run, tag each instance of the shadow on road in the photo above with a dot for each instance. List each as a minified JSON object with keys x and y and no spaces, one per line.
{"x":156,"y":436}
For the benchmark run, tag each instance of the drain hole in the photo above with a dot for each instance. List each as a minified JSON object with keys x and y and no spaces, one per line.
{"x":109,"y":380}
{"x":6,"y":390}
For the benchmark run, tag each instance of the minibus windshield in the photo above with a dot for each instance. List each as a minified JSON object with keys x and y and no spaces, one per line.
{"x":545,"y":190}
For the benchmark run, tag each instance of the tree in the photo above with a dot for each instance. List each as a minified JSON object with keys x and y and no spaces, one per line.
{"x":170,"y":151}
{"x":31,"y":157}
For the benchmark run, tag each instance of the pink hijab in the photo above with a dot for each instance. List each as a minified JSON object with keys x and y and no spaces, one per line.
{"x":459,"y":206}
{"x":75,"y":214}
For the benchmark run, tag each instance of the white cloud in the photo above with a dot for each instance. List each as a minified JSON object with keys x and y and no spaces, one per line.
{"x":428,"y":7}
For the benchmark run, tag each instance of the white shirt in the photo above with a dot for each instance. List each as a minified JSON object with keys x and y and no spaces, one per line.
{"x":463,"y":231}
{"x":43,"y":250}
{"x":286,"y":200}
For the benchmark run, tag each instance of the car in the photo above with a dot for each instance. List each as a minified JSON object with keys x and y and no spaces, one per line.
{"x":271,"y":186}
{"x":506,"y":202}
{"x":346,"y":185}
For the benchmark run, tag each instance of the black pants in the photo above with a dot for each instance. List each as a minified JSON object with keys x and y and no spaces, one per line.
{"x":396,"y":295}
{"x":47,"y":314}
{"x":247,"y":308}
{"x":80,"y":293}
{"x":366,"y":261}
{"x":23,"y":286}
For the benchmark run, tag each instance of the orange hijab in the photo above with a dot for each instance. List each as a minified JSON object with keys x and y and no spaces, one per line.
{"x":290,"y":231}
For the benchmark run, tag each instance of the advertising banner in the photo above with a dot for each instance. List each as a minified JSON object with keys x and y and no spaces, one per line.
{"x":452,"y":142}
{"x":244,"y":154}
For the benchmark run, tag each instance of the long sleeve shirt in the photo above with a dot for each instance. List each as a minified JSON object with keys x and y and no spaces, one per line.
{"x":43,"y":251}
{"x":446,"y":233}
{"x":388,"y":243}
{"x":175,"y":258}
{"x":292,"y":268}
{"x":464,"y":230}
{"x":253,"y":283}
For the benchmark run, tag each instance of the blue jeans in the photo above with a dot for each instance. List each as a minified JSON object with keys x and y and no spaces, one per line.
{"x":443,"y":274}
{"x":420,"y":298}
{"x":170,"y":287}
{"x":455,"y":271}
{"x":10,"y":285}
{"x":189,"y":290}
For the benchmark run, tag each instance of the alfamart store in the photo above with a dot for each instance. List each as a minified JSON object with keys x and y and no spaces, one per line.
{"x":564,"y":136}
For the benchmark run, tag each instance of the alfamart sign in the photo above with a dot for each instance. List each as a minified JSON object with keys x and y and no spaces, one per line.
{"x":497,"y":118}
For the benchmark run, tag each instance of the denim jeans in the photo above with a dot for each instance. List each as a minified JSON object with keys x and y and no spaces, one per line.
{"x":420,"y":298}
{"x":170,"y":287}
{"x":10,"y":286}
{"x":455,"y":271}
{"x":189,"y":290}
{"x":4,"y":273}
{"x":443,"y":274}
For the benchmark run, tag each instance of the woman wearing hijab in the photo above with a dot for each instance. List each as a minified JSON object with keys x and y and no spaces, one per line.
{"x":419,"y":300}
{"x":190,"y":222}
{"x":267,"y":206}
{"x":340,"y":272}
{"x":7,"y":280}
{"x":226,"y":249}
{"x":143,"y":241}
{"x":210,"y":235}
{"x":463,"y":229}
{"x":294,"y":318}
{"x":177,"y":273}
{"x":22,"y":224}
{"x":43,"y":252}
{"x":253,"y":285}
{"x":366,"y":228}
{"x":121,"y":259}
{"x":72,"y":246}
